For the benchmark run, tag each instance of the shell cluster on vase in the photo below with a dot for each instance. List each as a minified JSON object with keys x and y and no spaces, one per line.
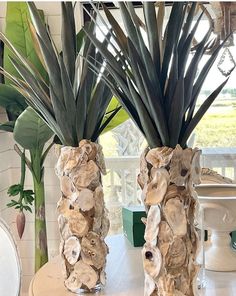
{"x":167,"y":178}
{"x":83,"y":218}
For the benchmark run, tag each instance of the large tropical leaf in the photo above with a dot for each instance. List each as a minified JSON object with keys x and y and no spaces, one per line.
{"x":30,"y":131}
{"x":17,"y":30}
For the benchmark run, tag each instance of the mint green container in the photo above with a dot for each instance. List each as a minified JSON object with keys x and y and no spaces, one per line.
{"x":133,"y":227}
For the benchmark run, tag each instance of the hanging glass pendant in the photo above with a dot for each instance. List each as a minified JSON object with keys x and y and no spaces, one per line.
{"x":226,"y":63}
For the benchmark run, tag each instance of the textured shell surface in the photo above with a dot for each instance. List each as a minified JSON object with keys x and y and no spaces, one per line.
{"x":62,"y":160}
{"x":165,"y":233}
{"x":73,"y":283}
{"x":182,"y":284}
{"x":86,"y":174}
{"x":152,"y":225}
{"x":100,"y":161}
{"x":178,"y":293}
{"x":85,"y":200}
{"x":152,"y":260}
{"x":67,"y":187}
{"x":177,"y":192}
{"x":175,"y":215}
{"x":105,"y":225}
{"x":94,"y":249}
{"x":176,"y":255}
{"x":64,"y":228}
{"x":97,"y":223}
{"x":72,"y":249}
{"x":88,"y":148}
{"x":65,"y":273}
{"x":143,"y":177}
{"x":78,"y":223}
{"x":159,"y":157}
{"x":63,"y":205}
{"x":99,"y":201}
{"x":86,"y":274}
{"x":149,"y":285}
{"x":157,"y":188}
{"x":180,"y":165}
{"x":195,"y":173}
{"x":103,"y":277}
{"x":76,"y":157}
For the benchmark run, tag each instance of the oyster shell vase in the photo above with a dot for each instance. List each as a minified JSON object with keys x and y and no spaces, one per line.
{"x":83,"y":220}
{"x":167,"y":178}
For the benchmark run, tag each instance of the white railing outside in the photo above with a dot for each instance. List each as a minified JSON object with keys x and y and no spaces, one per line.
{"x":120,"y":183}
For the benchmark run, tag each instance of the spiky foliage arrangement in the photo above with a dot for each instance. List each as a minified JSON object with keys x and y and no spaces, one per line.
{"x":154,"y":81}
{"x":73,"y":100}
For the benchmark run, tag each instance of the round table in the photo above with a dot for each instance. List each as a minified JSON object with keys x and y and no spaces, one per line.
{"x":124,"y":275}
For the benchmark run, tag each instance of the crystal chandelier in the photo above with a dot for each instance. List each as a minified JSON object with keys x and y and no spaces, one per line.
{"x":224,"y":24}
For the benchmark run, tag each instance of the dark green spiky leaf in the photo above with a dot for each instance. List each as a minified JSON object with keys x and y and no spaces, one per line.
{"x":7,"y":126}
{"x":68,"y":37}
{"x":157,"y":91}
{"x":200,"y":113}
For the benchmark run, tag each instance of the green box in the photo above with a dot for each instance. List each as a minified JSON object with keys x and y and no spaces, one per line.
{"x":133,"y":227}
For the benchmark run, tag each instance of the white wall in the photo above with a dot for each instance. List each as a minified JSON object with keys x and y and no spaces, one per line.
{"x":10,"y":169}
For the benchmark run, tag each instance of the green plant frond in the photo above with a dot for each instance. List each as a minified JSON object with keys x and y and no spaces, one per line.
{"x":33,"y":135}
{"x":159,"y":84}
{"x":200,"y":113}
{"x":73,"y":100}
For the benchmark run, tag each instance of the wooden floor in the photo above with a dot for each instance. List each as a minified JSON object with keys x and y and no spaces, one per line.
{"x":124,"y":275}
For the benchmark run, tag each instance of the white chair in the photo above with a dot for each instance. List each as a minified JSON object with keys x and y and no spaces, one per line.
{"x":10,"y":270}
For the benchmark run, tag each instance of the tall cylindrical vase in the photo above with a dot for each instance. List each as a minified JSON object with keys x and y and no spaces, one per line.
{"x":167,"y":178}
{"x":83,"y":220}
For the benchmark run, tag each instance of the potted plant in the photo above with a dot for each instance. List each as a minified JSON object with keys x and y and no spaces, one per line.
{"x":73,"y":104}
{"x":158,"y":83}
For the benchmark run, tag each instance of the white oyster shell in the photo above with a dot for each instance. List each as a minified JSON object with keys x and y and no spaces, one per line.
{"x":65,"y":231}
{"x":195,"y":173}
{"x":73,"y":283}
{"x":78,"y":223}
{"x":159,"y":157}
{"x":157,"y":188}
{"x":180,"y":165}
{"x":85,"y":200}
{"x":67,"y":187}
{"x":72,"y":249}
{"x":86,"y":174}
{"x":152,"y":225}
{"x":100,"y":161}
{"x":175,"y":216}
{"x":143,"y":177}
{"x":152,"y":260}
{"x":149,"y":285}
{"x":176,"y":255}
{"x":86,"y":274}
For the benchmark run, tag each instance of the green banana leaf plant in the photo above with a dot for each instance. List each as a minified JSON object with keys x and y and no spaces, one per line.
{"x":1,"y":61}
{"x":155,"y":81}
{"x":32,"y":134}
{"x":74,"y":102}
{"x":18,"y":30}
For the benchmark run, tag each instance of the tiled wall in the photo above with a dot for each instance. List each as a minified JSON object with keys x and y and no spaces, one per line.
{"x":10,"y":169}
